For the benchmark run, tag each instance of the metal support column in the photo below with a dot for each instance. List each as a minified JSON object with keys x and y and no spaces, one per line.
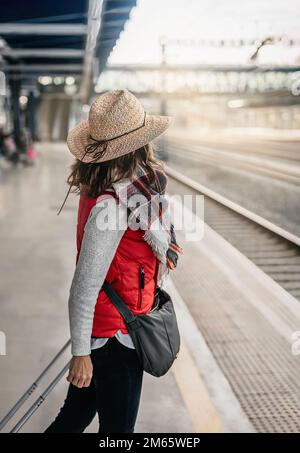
{"x":15,"y":87}
{"x":32,"y":114}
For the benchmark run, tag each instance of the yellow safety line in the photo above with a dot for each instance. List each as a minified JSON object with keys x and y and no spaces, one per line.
{"x":195,"y":396}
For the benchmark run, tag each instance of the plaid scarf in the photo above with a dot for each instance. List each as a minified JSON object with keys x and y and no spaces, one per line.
{"x":148,"y":210}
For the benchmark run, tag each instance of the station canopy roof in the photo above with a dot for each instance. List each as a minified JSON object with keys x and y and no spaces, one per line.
{"x":59,"y":37}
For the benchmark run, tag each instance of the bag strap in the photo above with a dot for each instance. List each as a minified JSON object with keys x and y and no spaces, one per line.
{"x":129,"y":318}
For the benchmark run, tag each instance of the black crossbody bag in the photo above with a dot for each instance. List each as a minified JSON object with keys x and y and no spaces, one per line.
{"x":155,"y":335}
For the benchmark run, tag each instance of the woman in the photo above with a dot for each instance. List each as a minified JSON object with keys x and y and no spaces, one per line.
{"x":125,"y":237}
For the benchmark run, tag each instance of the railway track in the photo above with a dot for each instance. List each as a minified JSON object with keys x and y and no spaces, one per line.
{"x":261,"y":149}
{"x":273,"y":249}
{"x":255,"y":163}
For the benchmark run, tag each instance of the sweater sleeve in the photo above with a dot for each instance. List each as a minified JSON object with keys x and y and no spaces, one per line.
{"x":98,"y":248}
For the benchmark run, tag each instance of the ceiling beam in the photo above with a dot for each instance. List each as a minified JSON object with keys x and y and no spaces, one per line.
{"x":114,"y":23}
{"x":28,"y":76}
{"x":42,"y":29}
{"x":43,"y":68}
{"x":202,"y":67}
{"x":119,"y":10}
{"x":44,"y":53}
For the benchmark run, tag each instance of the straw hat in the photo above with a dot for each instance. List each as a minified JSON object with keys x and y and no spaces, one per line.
{"x":117,"y":125}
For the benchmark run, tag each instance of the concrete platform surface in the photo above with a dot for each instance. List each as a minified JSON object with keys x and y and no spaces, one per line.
{"x":36,"y":267}
{"x":235,"y":371}
{"x":248,"y":323}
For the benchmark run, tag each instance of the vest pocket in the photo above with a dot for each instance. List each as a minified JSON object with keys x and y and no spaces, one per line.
{"x":141,"y":284}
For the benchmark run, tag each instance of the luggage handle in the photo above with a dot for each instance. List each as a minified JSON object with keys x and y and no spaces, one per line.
{"x":39,"y":400}
{"x":32,"y":388}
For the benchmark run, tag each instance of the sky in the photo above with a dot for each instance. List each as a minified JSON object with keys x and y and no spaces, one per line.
{"x":194,"y":20}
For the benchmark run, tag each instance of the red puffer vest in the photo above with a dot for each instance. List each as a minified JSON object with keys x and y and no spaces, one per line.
{"x":133,"y":274}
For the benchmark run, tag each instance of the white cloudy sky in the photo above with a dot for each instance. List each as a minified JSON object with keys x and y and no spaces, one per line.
{"x":204,"y":19}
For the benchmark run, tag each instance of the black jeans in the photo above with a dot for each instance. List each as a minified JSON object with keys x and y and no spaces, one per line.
{"x":114,"y":393}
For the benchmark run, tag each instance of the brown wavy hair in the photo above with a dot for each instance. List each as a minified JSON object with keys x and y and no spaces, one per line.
{"x":92,"y":179}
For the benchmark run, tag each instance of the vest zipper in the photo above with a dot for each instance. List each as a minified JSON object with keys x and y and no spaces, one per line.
{"x":141,"y":284}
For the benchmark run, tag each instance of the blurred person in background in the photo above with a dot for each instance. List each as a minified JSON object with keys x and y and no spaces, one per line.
{"x":27,"y":150}
{"x":20,"y":150}
{"x":9,"y":148}
{"x":114,"y":162}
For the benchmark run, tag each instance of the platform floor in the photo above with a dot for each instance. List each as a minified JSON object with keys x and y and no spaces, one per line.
{"x":36,"y":267}
{"x":235,"y":371}
{"x":248,"y":322}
